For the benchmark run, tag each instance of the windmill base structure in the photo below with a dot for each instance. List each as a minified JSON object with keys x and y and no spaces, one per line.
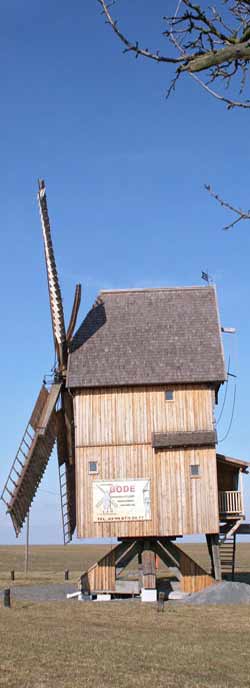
{"x":132,"y":411}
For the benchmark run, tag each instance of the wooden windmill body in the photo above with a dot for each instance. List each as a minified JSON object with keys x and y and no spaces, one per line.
{"x":132,"y":410}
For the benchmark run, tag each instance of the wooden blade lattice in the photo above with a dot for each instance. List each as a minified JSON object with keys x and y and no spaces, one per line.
{"x":66,"y":479}
{"x":68,"y":500}
{"x":56,"y":305}
{"x":32,"y":457}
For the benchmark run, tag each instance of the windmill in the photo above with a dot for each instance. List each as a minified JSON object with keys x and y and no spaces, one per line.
{"x":52,"y":417}
{"x":137,"y":450}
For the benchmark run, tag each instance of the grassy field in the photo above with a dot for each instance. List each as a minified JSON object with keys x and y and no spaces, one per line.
{"x":76,"y":645}
{"x":48,"y":563}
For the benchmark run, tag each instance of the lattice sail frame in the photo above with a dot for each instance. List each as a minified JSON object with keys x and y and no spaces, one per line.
{"x":55,"y":297}
{"x":32,"y":457}
{"x":44,"y":428}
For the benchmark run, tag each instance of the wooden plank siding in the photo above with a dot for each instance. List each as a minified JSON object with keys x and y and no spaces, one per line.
{"x":193,"y":577}
{"x":100,"y":576}
{"x":179,"y":504}
{"x":129,"y":415}
{"x":114,"y":428}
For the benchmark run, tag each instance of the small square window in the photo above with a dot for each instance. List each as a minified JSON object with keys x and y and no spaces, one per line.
{"x":93,"y":467}
{"x":195,"y":471}
{"x":169,"y":395}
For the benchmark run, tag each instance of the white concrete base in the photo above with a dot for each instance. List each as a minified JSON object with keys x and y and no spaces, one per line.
{"x":103,"y":597}
{"x":148,"y":595}
{"x":84,"y":598}
{"x":70,"y":595}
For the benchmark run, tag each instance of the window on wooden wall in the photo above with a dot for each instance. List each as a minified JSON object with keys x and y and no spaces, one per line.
{"x":93,"y":467}
{"x":195,"y":471}
{"x":169,"y":395}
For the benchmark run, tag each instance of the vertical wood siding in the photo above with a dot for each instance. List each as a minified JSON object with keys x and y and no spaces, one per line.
{"x":114,"y":428}
{"x":100,"y":576}
{"x":130,"y":415}
{"x":193,"y":577}
{"x":179,"y":504}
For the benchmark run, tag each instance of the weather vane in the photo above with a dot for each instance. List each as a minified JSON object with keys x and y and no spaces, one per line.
{"x":206,"y":277}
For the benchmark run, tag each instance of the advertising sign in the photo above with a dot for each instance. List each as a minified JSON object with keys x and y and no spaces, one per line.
{"x":121,"y":500}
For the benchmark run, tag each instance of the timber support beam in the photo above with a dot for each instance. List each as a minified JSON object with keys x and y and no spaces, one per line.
{"x":104,"y":575}
{"x":148,"y":567}
{"x":214,"y":553}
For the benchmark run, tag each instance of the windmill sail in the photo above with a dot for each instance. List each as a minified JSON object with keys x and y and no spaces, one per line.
{"x":68,"y":500}
{"x":66,"y":479}
{"x":32,"y":457}
{"x":65,"y":423}
{"x":46,"y":424}
{"x":55,"y":297}
{"x":74,"y":313}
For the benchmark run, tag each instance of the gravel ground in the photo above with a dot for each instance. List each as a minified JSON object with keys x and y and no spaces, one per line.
{"x":226,"y":592}
{"x":223,"y":593}
{"x":42,"y":593}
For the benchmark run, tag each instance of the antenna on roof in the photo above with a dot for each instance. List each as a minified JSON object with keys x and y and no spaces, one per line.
{"x":206,"y":277}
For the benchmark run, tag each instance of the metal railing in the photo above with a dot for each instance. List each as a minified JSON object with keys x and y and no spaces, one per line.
{"x":230,"y":502}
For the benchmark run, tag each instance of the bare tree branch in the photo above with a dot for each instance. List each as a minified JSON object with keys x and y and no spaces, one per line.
{"x":205,"y":40}
{"x":240,"y":51}
{"x":134,"y":47}
{"x":228,"y":101}
{"x":240,"y":214}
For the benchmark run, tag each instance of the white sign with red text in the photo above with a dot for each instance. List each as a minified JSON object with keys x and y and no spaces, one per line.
{"x":121,"y":500}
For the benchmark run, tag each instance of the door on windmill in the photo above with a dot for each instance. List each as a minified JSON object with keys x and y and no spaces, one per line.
{"x":121,"y":500}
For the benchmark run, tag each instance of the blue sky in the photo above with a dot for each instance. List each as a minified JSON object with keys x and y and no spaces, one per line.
{"x":125,"y":171}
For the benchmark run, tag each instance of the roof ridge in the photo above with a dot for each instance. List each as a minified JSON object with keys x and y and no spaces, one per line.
{"x":153,"y":289}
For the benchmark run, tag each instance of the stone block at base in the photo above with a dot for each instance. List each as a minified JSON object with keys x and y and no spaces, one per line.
{"x":103,"y":597}
{"x":71,"y":595}
{"x":148,"y":595}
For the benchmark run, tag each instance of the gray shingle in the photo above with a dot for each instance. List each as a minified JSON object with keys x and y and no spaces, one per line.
{"x":151,"y":336}
{"x":197,"y":438}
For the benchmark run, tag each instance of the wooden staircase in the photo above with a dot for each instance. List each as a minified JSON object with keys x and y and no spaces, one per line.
{"x":227,"y":555}
{"x":227,"y":547}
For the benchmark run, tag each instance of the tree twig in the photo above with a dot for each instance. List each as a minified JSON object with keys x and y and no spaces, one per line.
{"x":134,"y":47}
{"x":241,"y":214}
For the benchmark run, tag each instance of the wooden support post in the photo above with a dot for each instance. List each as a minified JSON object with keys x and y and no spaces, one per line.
{"x":209,"y":546}
{"x":26,"y":567}
{"x":234,"y":552}
{"x":148,"y":568}
{"x":161,"y":600}
{"x":214,"y":552}
{"x":6,"y":598}
{"x":241,"y":492}
{"x":140,"y":568}
{"x":12,"y":575}
{"x":172,"y":550}
{"x":164,"y":556}
{"x":125,"y":557}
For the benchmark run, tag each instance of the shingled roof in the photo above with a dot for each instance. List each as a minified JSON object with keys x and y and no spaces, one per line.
{"x":149,"y":336}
